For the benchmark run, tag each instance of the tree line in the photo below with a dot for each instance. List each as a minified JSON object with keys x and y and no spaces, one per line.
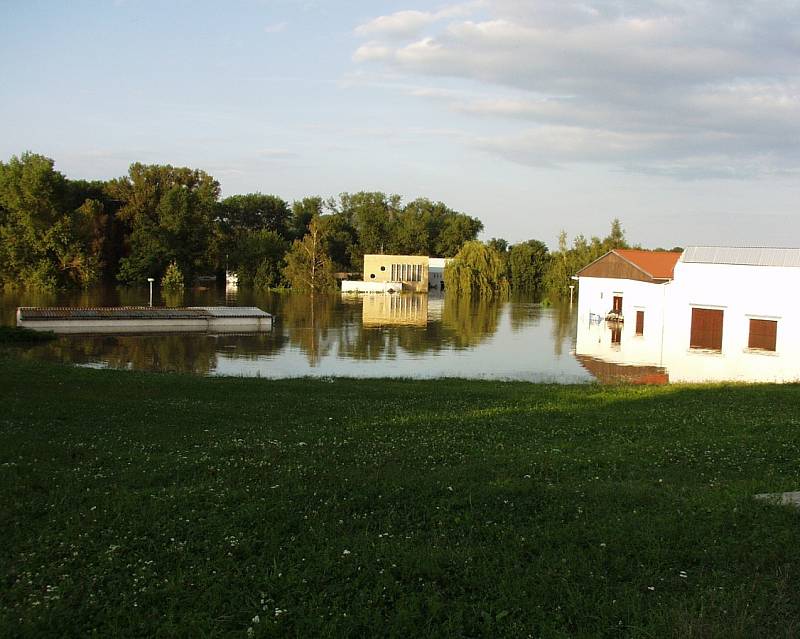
{"x":56,"y":232}
{"x":494,"y":268}
{"x":171,"y":223}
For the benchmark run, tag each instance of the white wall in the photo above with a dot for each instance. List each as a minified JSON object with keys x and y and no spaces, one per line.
{"x":596,"y":295}
{"x":358,"y":286}
{"x":741,"y":292}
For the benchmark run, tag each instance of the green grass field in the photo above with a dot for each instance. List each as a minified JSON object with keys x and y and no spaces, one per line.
{"x":176,"y":506}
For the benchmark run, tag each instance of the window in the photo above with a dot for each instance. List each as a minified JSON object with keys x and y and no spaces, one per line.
{"x":706,"y":329}
{"x":763,"y":334}
{"x":617,"y":306}
{"x":372,"y":276}
{"x":383,"y":268}
{"x":640,"y":322}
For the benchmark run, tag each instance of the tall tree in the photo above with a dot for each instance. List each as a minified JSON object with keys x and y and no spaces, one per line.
{"x":412,"y":230}
{"x":374,"y":215}
{"x":341,"y":241}
{"x":456,"y":231}
{"x":528,"y":263}
{"x":169,"y":213}
{"x":46,"y":232}
{"x":255,"y":212}
{"x":308,"y":267}
{"x":616,"y":237}
{"x":303,"y":211}
{"x":259,"y":258}
{"x":566,"y":262}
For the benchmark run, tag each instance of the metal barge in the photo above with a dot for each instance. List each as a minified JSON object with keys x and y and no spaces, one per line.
{"x":145,"y":319}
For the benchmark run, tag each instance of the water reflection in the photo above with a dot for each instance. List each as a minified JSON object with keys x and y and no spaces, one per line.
{"x":400,"y":335}
{"x":615,"y":352}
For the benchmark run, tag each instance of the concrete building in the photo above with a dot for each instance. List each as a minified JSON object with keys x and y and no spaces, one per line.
{"x":396,"y":273}
{"x":719,"y":313}
{"x":411,"y":270}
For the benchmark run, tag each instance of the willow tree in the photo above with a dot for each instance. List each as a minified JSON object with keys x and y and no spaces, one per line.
{"x":308,"y":266}
{"x":477,"y":270}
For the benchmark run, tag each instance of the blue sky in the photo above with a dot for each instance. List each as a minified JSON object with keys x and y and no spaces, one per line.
{"x":682,"y":118}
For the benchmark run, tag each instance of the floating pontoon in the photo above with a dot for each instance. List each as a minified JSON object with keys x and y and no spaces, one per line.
{"x":145,"y":319}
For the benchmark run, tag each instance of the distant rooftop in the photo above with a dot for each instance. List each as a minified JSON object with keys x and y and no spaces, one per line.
{"x":746,"y":256}
{"x":658,"y":264}
{"x":633,"y":264}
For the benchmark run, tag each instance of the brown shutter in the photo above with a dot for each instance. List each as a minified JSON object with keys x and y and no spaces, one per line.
{"x":763,"y":334}
{"x":640,"y":322}
{"x":706,"y":329}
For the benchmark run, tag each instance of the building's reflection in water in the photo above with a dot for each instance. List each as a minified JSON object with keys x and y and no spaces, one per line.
{"x":614,"y":352}
{"x":394,"y":310}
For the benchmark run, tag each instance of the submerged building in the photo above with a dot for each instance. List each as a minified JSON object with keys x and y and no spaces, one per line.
{"x":709,"y":313}
{"x":396,"y":273}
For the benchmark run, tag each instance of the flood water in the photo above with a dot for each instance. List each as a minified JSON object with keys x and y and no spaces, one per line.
{"x":417,"y":336}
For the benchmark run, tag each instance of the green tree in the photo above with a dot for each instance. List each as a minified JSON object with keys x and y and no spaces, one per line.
{"x":477,"y":270}
{"x":499,"y":244}
{"x":616,"y":237}
{"x":46,"y":232}
{"x":341,"y":241}
{"x":557,"y":277}
{"x":412,"y":230}
{"x":308,"y":267}
{"x":455,"y":232}
{"x":566,"y":262}
{"x":528,"y":264}
{"x":258,"y":258}
{"x":303,"y":211}
{"x":255,"y":212}
{"x":374,"y":216}
{"x":173,"y":278}
{"x":168,"y":212}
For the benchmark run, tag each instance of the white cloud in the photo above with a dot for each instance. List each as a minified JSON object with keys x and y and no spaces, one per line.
{"x":372,"y":51}
{"x":400,"y":24}
{"x":705,"y":86}
{"x":409,"y":23}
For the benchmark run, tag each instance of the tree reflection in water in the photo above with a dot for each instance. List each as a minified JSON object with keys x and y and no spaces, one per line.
{"x":564,"y":327}
{"x":179,"y":352}
{"x":309,"y":321}
{"x":325,"y":329}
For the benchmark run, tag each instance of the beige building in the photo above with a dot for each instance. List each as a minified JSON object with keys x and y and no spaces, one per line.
{"x":411,"y":270}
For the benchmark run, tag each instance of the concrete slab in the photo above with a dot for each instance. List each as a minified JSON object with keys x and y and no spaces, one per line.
{"x":145,"y":319}
{"x":782,"y":499}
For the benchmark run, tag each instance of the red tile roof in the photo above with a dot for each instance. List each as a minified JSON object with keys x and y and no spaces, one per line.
{"x":658,"y":264}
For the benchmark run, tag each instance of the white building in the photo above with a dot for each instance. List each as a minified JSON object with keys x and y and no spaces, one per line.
{"x":718,"y":314}
{"x":631,"y":286}
{"x":436,"y":272}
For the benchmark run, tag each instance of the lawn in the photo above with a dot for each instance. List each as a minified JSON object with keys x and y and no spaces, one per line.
{"x":136,"y":504}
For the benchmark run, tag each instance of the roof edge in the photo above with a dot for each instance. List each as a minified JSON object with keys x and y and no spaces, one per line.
{"x":622,"y":257}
